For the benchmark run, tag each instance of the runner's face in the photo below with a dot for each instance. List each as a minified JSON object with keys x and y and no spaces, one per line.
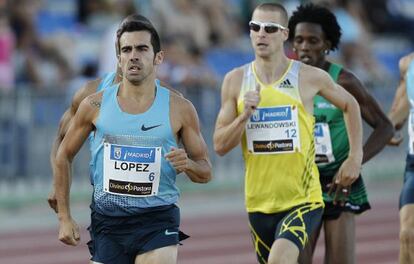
{"x":266,"y":44}
{"x":310,"y":44}
{"x":136,"y":58}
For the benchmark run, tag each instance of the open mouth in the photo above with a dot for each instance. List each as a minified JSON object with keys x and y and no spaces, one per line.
{"x":261,"y":45}
{"x":134,"y":68}
{"x":305,"y":58}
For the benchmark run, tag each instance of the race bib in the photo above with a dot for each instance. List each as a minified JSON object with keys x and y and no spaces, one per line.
{"x":323,"y":144}
{"x":273,"y":130}
{"x":131,"y":170}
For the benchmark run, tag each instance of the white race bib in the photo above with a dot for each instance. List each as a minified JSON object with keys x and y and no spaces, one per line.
{"x":273,"y":130}
{"x":131,"y":170}
{"x":323,"y":144}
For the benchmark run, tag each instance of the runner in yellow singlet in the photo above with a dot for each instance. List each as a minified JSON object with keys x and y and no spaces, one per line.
{"x":267,"y":105}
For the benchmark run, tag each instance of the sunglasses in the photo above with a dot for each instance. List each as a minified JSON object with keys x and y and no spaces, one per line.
{"x":269,"y":27}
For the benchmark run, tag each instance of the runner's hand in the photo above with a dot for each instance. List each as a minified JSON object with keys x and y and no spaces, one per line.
{"x":340,"y":192}
{"x":69,"y":232}
{"x":51,"y":199}
{"x":341,"y":183}
{"x":348,"y":172}
{"x":396,"y":139}
{"x":178,"y":159}
{"x":251,"y":101}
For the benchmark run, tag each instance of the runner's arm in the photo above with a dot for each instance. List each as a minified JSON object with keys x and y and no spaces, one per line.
{"x":229,"y":126}
{"x":371,"y":113}
{"x":79,"y":129}
{"x":193,"y":159}
{"x":350,"y":168}
{"x":400,"y":107}
{"x":89,"y":88}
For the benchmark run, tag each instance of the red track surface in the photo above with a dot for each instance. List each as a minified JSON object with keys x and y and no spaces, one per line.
{"x":215,"y":239}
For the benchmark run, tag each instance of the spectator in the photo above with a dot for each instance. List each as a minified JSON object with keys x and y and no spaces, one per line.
{"x":183,"y":18}
{"x":224,"y":22}
{"x":6,"y":52}
{"x":38,"y":61}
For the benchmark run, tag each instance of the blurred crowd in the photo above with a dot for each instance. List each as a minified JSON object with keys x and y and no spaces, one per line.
{"x":46,"y":44}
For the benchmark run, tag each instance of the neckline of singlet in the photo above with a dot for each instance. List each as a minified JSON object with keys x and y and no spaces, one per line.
{"x":275,"y":82}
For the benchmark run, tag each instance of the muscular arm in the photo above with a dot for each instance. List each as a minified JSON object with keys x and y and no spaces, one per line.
{"x":371,"y":113}
{"x":89,"y":88}
{"x":63,"y":127}
{"x":193,"y":158}
{"x":352,"y":114}
{"x":79,"y":129}
{"x":229,"y":126}
{"x":350,"y":168}
{"x":199,"y":167}
{"x":400,"y":106}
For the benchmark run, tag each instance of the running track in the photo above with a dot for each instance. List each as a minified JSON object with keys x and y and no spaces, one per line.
{"x":215,"y":239}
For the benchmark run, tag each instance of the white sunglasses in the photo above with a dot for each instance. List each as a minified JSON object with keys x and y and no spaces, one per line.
{"x":268,"y":27}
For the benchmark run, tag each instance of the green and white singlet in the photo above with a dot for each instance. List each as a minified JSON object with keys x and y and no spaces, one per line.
{"x":332,"y":148}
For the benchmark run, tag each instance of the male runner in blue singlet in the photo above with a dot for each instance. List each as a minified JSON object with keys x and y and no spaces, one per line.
{"x":135,"y":158}
{"x":107,"y":80}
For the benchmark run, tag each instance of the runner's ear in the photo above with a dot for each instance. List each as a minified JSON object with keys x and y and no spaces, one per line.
{"x":159,"y":57}
{"x":119,"y":61}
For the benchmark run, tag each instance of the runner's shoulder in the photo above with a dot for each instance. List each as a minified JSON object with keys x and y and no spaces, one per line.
{"x":405,"y":62}
{"x":87,"y":89}
{"x":312,"y":75}
{"x":93,"y":100}
{"x":348,"y":79}
{"x":179,"y":105}
{"x":232,"y":82}
{"x":235,"y":74}
{"x":172,"y":90}
{"x":180,"y":102}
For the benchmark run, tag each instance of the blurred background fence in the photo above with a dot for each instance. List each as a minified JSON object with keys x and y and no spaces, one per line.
{"x":28,"y":125}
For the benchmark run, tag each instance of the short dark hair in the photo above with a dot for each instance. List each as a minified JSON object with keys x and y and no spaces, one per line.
{"x":274,"y":7}
{"x":320,"y":15}
{"x":137,"y":22}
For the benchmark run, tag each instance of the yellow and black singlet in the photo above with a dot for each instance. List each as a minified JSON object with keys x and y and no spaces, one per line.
{"x":278,"y":145}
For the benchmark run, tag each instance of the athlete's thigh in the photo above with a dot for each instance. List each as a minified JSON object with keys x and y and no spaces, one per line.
{"x":294,"y":231}
{"x":406,"y":234}
{"x":340,"y":239}
{"x":300,"y":222}
{"x":284,"y":251}
{"x":104,"y":249}
{"x":263,"y":228}
{"x":407,"y":216}
{"x":306,"y":255}
{"x":407,"y":191}
{"x":164,"y":255}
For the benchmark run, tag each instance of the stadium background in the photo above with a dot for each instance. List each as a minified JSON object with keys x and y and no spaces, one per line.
{"x":48,"y":49}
